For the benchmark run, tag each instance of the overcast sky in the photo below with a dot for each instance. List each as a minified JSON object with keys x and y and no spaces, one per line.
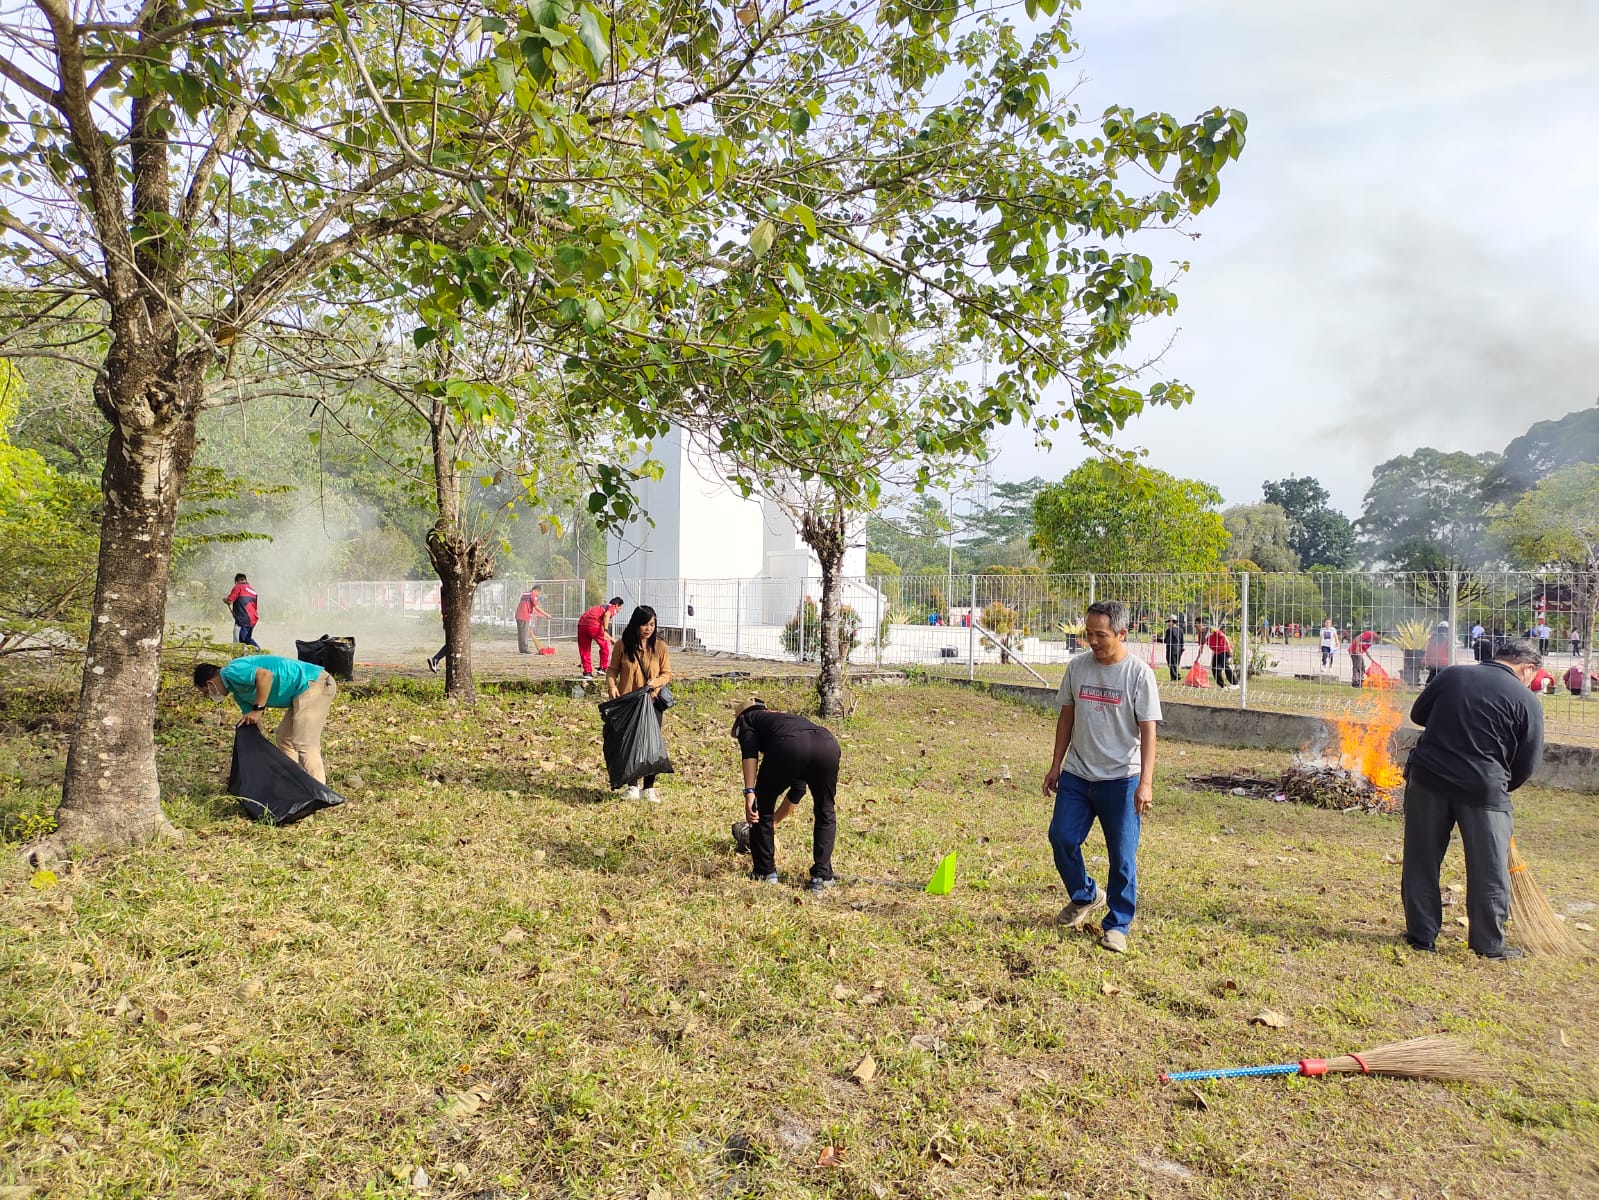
{"x":1407,"y":252}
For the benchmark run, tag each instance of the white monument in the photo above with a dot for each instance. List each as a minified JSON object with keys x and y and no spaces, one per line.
{"x":738,"y":562}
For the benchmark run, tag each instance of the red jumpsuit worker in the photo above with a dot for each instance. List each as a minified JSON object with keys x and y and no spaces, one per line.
{"x":595,"y":626}
{"x":527,"y":611}
{"x":1359,"y":648}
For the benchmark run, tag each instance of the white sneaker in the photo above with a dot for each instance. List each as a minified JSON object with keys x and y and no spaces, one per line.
{"x":630,"y":792}
{"x":649,"y":794}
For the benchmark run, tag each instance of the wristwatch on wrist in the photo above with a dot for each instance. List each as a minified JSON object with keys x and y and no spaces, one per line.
{"x":258,"y":708}
{"x":749,"y":791}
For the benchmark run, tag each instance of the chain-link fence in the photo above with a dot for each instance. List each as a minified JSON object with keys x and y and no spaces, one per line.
{"x":1293,"y":642}
{"x":494,"y":603}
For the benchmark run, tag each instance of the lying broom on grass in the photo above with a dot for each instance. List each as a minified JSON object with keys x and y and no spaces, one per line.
{"x":1533,"y":921}
{"x":1419,"y":1058}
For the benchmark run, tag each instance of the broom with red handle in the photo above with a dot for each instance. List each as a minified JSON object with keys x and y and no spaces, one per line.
{"x":1419,"y":1058}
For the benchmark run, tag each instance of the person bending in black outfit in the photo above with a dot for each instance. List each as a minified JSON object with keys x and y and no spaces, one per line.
{"x":783,"y":752}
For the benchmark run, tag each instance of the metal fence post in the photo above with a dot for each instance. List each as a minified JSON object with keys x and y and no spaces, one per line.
{"x":1091,"y":582}
{"x":971,"y":634}
{"x":879,"y":626}
{"x":738,"y":615}
{"x":805,"y":585}
{"x":1454,"y":614}
{"x":1243,"y":647}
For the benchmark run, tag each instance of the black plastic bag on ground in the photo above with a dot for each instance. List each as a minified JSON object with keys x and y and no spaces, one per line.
{"x":335,"y":655}
{"x":270,"y":785}
{"x":634,"y":746}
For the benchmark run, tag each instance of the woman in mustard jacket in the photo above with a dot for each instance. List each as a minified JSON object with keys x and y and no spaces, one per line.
{"x":641,"y":661}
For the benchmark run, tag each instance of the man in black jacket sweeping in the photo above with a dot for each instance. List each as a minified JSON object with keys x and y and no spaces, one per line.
{"x":783,"y":752}
{"x":1482,"y":737}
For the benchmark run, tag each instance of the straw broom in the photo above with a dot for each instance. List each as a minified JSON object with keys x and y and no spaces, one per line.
{"x":1533,"y":922}
{"x":1419,"y":1058}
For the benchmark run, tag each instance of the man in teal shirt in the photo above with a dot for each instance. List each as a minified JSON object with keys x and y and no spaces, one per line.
{"x":258,"y":682}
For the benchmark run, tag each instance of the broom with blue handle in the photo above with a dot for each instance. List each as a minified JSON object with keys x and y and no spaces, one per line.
{"x":1418,"y":1058}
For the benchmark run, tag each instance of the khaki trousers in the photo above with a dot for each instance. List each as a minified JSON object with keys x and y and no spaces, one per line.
{"x":299,"y":734}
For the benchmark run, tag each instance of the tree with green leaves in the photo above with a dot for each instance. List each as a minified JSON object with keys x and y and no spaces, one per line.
{"x":48,"y":534}
{"x":1555,"y":526}
{"x":679,"y":200}
{"x":1546,"y":447}
{"x":997,"y":535}
{"x":1260,"y":533}
{"x":1318,"y":534}
{"x":1115,"y":517}
{"x":1424,"y":512}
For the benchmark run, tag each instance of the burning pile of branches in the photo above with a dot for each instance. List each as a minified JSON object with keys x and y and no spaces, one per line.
{"x":1354,"y":771}
{"x":1323,"y":785}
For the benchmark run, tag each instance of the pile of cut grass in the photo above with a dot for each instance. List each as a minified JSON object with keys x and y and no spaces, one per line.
{"x":478,"y":974}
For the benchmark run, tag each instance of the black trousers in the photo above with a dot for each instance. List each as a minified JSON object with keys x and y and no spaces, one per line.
{"x":810,"y":759}
{"x":521,"y":638}
{"x":1174,"y":660}
{"x":1432,"y":811}
{"x":1221,"y":668}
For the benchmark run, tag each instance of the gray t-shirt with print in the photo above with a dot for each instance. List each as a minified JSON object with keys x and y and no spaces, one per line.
{"x":1109,"y":702}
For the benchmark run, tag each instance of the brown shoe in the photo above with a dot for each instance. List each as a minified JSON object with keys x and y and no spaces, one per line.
{"x":1075,"y":915}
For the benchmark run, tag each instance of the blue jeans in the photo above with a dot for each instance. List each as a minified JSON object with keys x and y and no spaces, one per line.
{"x":1077,"y":802}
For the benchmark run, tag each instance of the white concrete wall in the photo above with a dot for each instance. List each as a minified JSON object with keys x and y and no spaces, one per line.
{"x":699,"y":527}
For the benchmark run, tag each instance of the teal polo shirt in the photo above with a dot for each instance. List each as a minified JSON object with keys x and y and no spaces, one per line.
{"x":290,"y":677}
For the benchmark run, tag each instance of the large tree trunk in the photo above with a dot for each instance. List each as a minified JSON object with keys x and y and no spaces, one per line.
{"x":460,"y":562}
{"x":825,"y":535}
{"x":112,"y":793}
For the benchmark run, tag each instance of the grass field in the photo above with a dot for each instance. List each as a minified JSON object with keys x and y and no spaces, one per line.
{"x":476,"y":979}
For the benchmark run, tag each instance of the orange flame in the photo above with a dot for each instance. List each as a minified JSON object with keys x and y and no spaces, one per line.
{"x":1363,"y":744}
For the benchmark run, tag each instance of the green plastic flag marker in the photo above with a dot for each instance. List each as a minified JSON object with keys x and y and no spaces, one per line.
{"x":943,"y":879}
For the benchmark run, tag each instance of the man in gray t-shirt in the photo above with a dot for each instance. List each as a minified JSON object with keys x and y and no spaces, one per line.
{"x":1103,"y":767}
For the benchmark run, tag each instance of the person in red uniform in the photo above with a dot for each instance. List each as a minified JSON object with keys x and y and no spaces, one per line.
{"x":1359,"y":649}
{"x":527,"y":611}
{"x":241,"y":601}
{"x":1221,"y":655}
{"x":594,"y":626}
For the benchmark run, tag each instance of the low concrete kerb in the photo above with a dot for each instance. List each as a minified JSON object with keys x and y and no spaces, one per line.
{"x":1564,"y":766}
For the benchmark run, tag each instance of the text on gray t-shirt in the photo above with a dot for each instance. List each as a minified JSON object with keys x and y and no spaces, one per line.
{"x":1109,"y":701}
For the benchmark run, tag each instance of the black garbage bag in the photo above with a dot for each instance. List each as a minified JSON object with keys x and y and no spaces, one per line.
{"x":335,"y":655}
{"x":270,"y":785}
{"x":634,"y":746}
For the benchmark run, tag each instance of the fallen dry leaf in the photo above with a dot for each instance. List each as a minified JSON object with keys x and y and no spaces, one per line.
{"x":927,"y":1043}
{"x":864,"y":1071}
{"x":1109,"y":988}
{"x":831,"y":1156}
{"x":467,"y":1104}
{"x":249,"y":989}
{"x":840,"y":992}
{"x":976,"y":1005}
{"x":1270,"y":1018}
{"x":513,"y":935}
